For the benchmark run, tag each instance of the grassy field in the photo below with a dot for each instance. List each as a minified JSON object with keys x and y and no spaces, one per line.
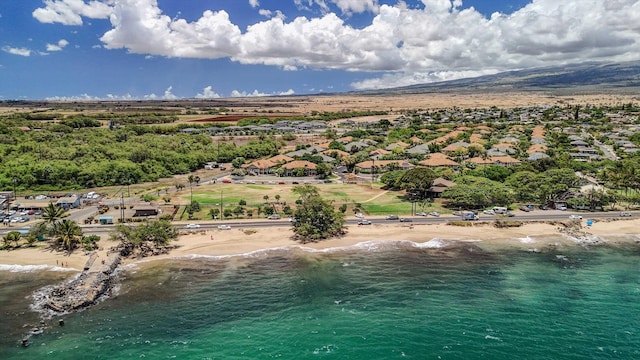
{"x":371,"y":200}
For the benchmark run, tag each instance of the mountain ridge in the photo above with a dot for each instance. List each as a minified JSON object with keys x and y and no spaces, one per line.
{"x":590,"y":77}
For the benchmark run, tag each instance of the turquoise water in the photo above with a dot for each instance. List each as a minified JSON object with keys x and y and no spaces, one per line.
{"x":396,"y":302}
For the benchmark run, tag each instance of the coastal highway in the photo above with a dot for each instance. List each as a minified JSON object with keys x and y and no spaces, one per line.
{"x":549,"y":215}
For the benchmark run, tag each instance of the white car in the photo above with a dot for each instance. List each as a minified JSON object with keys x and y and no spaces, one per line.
{"x":421,"y":214}
{"x":192,"y":226}
{"x":575,"y":217}
{"x":489,"y":212}
{"x":224,"y":227}
{"x":625,"y":214}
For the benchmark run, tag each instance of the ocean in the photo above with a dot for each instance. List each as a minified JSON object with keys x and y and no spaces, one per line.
{"x":383,"y":300}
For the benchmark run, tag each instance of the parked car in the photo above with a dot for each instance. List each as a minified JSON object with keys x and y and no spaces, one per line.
{"x":524,"y":208}
{"x":405,"y":220}
{"x":224,"y":227}
{"x":192,"y":226}
{"x":392,"y":217}
{"x":360,"y":215}
{"x":625,"y":214}
{"x":421,"y":214}
{"x":226,"y":181}
{"x":364,"y":222}
{"x":434,"y":213}
{"x":273,"y":217}
{"x":489,"y":212}
{"x":575,"y":217}
{"x":510,"y":214}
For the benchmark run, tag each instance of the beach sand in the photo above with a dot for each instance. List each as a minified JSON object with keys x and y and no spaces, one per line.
{"x":239,"y":241}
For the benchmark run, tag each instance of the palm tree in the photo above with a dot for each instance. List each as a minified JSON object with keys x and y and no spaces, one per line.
{"x":67,"y":234}
{"x":52,"y":213}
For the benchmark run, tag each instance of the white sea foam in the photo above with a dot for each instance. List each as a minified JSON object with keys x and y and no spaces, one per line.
{"x":33,"y":268}
{"x":527,"y":240}
{"x":370,"y":246}
{"x":433,"y":244}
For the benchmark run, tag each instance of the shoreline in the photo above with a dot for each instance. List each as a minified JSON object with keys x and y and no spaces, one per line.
{"x":239,"y":242}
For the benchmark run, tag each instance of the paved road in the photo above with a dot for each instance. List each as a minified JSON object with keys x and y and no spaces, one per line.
{"x":259,"y":223}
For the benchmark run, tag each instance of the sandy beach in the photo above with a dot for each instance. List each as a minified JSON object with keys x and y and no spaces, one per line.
{"x":239,"y":241}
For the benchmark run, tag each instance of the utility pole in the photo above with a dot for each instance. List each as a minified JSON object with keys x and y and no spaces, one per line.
{"x":122,"y":207}
{"x":221,"y":204}
{"x":373,"y":171}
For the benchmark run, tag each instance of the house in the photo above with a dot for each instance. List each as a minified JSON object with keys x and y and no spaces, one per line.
{"x":145,"y":210}
{"x":438,"y":160}
{"x":455,"y":146}
{"x":399,"y":144}
{"x":438,"y":187}
{"x":292,"y":168}
{"x":68,"y":202}
{"x":495,"y":160}
{"x":535,"y":156}
{"x":260,"y":167}
{"x":280,"y":159}
{"x":105,"y":220}
{"x":383,"y":165}
{"x":336,"y":153}
{"x":420,"y":149}
{"x":356,"y":145}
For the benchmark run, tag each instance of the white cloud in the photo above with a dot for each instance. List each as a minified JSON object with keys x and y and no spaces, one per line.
{"x":17,"y":51}
{"x":207,"y":93}
{"x":168,"y":95}
{"x":71,"y":12}
{"x":439,"y":39}
{"x":356,"y":6}
{"x":254,"y":3}
{"x":57,"y":47}
{"x":256,"y":93}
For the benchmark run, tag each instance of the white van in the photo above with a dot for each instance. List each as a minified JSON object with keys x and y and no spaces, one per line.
{"x":500,"y":210}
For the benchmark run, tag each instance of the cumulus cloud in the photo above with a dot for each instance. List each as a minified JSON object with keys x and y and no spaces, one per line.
{"x":437,"y":39}
{"x":57,"y":47}
{"x":17,"y":51}
{"x":207,"y":93}
{"x":71,"y":12}
{"x":254,"y":3}
{"x":168,"y":95}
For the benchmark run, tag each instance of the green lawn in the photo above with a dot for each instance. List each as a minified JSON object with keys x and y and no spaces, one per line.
{"x":373,"y":199}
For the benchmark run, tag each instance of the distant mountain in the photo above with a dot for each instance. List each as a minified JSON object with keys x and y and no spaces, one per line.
{"x":579,"y":78}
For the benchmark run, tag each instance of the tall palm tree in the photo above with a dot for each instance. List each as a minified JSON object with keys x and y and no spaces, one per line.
{"x":67,"y":234}
{"x":52,"y":213}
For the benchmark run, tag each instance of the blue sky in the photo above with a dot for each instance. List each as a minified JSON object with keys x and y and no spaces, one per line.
{"x":167,"y":49}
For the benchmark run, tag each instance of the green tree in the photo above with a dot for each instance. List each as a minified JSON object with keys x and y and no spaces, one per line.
{"x":390,"y":179}
{"x":238,"y":162}
{"x":67,"y":234}
{"x":214,"y":213}
{"x":12,"y":237}
{"x":417,"y":181}
{"x":52,"y":213}
{"x":153,"y":234}
{"x":316,"y":218}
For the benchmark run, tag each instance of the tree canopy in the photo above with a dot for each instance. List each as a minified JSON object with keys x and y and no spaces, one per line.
{"x":315,"y":218}
{"x":417,"y":180}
